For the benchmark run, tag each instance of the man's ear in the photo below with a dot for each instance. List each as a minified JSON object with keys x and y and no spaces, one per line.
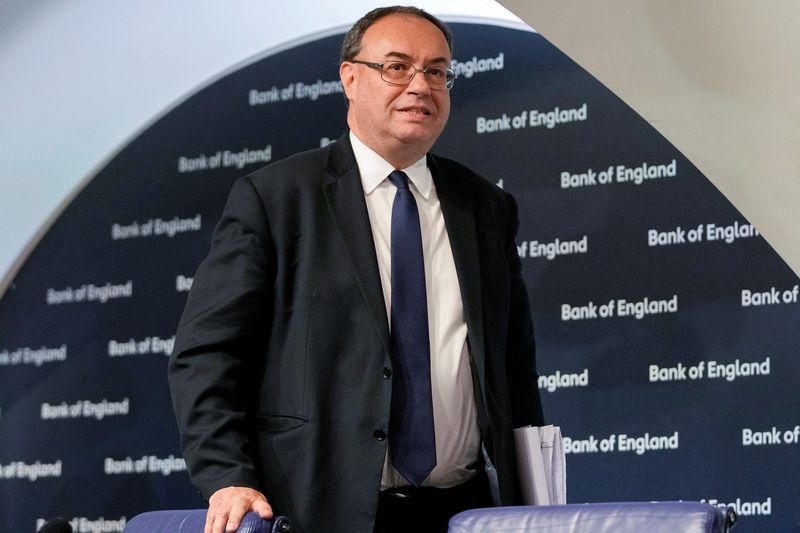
{"x":347,"y":73}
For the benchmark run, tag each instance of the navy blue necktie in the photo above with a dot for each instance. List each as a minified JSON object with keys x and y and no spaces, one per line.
{"x":411,"y":435}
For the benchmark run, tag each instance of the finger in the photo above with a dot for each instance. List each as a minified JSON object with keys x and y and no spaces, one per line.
{"x":263,"y":508}
{"x":210,"y":515}
{"x":215,"y":521}
{"x":235,"y":515}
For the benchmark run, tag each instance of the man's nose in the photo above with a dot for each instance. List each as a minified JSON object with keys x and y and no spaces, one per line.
{"x":419,"y":84}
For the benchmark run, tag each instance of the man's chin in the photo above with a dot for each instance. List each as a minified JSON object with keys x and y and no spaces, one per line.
{"x":423,"y":136}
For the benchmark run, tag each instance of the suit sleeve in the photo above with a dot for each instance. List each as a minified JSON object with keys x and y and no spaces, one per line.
{"x":210,"y":369}
{"x":521,"y":371}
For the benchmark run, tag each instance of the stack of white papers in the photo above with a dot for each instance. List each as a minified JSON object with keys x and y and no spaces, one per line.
{"x":541,"y":465}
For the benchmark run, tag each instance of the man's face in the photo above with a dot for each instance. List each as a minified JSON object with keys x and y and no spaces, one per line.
{"x":398,"y":122}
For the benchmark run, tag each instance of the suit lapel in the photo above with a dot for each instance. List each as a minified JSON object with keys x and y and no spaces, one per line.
{"x":458,"y":210}
{"x":344,"y":195}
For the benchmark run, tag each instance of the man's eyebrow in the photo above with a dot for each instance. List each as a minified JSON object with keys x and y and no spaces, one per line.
{"x":405,"y":57}
{"x":398,"y":55}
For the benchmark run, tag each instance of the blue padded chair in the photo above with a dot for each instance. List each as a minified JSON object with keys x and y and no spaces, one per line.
{"x":193,"y":520}
{"x":624,"y":517}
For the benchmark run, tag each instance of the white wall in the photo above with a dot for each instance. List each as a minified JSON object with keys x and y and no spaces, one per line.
{"x":719,"y":79}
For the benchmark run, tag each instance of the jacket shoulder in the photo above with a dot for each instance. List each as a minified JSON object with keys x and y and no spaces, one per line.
{"x":462,"y":177}
{"x":296,"y":170}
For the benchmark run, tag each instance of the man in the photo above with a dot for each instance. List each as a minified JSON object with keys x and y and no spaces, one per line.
{"x":305,"y":378}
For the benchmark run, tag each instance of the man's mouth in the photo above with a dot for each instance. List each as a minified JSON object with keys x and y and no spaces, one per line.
{"x":416,"y":110}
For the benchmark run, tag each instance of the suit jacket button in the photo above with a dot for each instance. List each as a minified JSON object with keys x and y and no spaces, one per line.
{"x":387,"y":372}
{"x":379,"y":435}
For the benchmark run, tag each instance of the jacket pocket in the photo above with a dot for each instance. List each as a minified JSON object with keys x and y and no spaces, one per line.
{"x":276,"y":423}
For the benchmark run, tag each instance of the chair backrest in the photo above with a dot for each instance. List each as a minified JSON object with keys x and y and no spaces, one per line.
{"x":623,"y":517}
{"x":193,"y":521}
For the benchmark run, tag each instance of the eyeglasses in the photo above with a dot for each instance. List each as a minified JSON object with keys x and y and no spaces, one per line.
{"x":401,"y":73}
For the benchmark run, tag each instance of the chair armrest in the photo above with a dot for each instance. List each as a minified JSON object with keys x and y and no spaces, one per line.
{"x":622,"y":517}
{"x":193,"y":521}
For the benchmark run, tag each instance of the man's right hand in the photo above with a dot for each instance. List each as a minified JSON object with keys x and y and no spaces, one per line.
{"x":227,"y":507}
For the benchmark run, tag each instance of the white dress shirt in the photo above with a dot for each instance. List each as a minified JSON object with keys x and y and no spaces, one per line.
{"x":454,"y":416}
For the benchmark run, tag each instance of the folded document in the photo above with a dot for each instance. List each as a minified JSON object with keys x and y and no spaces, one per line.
{"x":541,"y":465}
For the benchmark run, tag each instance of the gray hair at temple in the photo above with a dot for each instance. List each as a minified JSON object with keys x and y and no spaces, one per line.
{"x":351,"y":45}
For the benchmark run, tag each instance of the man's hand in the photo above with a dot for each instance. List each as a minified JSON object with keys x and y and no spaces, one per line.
{"x":227,"y":507}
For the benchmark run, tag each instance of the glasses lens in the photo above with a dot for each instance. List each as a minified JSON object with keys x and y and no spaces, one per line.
{"x":440,"y":77}
{"x":397,"y":72}
{"x":401,"y":73}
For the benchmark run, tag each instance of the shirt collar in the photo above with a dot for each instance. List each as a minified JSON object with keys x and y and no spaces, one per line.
{"x":374,"y":169}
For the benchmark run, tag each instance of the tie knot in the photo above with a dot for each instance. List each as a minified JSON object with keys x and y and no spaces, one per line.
{"x":399,"y":179}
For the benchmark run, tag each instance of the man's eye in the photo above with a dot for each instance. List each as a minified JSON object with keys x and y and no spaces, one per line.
{"x":397,"y":67}
{"x":435,"y":72}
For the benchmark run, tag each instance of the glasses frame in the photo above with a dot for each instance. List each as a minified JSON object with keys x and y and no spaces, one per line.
{"x":450,"y":74}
